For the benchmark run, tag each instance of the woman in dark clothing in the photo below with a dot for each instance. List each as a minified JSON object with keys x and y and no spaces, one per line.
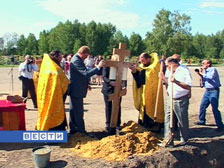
{"x":99,"y":74}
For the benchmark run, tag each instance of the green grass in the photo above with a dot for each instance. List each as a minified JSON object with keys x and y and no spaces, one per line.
{"x":7,"y":65}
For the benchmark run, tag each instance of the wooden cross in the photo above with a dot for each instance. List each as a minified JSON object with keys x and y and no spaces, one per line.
{"x":118,"y":92}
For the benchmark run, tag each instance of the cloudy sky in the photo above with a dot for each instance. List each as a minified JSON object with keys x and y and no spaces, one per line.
{"x":33,"y":16}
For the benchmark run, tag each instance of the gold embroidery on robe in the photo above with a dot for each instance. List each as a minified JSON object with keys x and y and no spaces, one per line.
{"x":145,"y":96}
{"x":52,"y":85}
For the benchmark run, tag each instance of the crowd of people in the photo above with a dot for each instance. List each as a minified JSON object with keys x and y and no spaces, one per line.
{"x":71,"y":75}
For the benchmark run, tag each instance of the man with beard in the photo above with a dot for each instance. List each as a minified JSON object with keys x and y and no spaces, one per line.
{"x":145,"y":91}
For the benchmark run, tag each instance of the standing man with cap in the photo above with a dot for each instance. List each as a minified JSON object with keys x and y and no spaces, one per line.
{"x":178,"y":88}
{"x":211,"y":82}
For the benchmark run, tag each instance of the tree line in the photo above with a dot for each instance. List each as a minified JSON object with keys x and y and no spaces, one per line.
{"x":171,"y":33}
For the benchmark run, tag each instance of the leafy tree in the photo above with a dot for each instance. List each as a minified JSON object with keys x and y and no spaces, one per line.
{"x":98,"y":37}
{"x":221,"y":36}
{"x":170,"y":34}
{"x":157,"y":41}
{"x":148,"y":43}
{"x":21,"y":45}
{"x":199,"y":44}
{"x":180,"y":23}
{"x":82,"y":34}
{"x":62,"y":37}
{"x":1,"y":45}
{"x":91,"y":37}
{"x":43,"y":43}
{"x":136,"y":44}
{"x":120,"y":38}
{"x":179,"y":43}
{"x":112,"y":44}
{"x":210,"y":49}
{"x":31,"y":45}
{"x":79,"y":31}
{"x":217,"y":43}
{"x":77,"y":45}
{"x":54,"y":40}
{"x":105,"y":33}
{"x":9,"y":43}
{"x":114,"y":41}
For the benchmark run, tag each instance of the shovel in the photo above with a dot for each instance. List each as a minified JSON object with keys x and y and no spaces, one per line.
{"x":158,"y":93}
{"x":171,"y":134}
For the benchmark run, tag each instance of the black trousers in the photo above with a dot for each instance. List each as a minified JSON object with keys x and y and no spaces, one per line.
{"x":28,"y":85}
{"x":76,"y":121}
{"x":108,"y":111}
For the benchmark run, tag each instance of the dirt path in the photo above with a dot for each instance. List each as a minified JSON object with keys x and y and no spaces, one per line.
{"x":205,"y":144}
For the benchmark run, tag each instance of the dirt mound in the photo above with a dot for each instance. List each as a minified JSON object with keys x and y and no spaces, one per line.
{"x":135,"y":140}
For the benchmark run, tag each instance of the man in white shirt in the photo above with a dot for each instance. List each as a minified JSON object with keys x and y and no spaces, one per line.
{"x":26,"y":70}
{"x":181,"y":80}
{"x":89,"y":63}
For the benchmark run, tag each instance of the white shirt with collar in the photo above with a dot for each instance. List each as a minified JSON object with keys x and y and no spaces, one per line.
{"x":26,"y":70}
{"x":182,"y":65}
{"x":181,"y":74}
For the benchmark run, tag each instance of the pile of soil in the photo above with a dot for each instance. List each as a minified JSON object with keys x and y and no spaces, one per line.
{"x":135,"y":140}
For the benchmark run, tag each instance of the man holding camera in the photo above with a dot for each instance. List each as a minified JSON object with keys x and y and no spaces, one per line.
{"x":26,"y":70}
{"x":211,"y":83}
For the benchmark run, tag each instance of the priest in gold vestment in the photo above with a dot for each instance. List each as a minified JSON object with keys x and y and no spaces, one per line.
{"x":145,"y":85}
{"x":51,"y":88}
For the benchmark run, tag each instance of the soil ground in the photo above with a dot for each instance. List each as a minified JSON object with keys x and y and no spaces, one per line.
{"x":204,"y":149}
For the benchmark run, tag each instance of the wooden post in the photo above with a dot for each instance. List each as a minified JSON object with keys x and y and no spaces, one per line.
{"x":171,"y":104}
{"x":158,"y":93}
{"x":119,"y":65}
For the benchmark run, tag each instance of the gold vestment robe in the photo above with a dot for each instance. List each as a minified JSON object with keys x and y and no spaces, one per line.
{"x":145,"y":96}
{"x":52,"y":85}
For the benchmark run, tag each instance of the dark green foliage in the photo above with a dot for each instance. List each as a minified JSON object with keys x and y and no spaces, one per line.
{"x":136,"y":44}
{"x":171,"y":34}
{"x":62,"y":37}
{"x":21,"y":45}
{"x":31,"y":45}
{"x":43,"y":42}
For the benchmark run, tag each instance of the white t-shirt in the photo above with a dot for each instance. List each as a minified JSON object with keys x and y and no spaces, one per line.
{"x":26,"y":70}
{"x":89,"y":62}
{"x":181,"y":74}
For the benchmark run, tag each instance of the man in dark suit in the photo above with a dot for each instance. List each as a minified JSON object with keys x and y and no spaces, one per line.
{"x":79,"y":82}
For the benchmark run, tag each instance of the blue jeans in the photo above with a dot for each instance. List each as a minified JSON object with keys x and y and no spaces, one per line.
{"x":211,"y":97}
